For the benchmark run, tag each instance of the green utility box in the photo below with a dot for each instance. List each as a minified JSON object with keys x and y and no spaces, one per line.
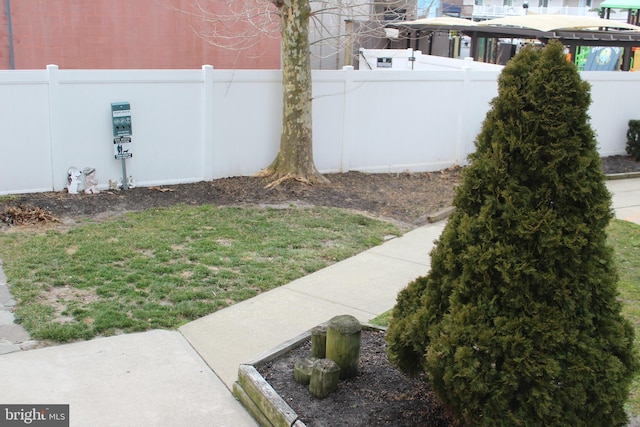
{"x":121,"y":118}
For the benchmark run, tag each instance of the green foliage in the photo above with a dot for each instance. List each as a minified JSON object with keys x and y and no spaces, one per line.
{"x":517,"y":322}
{"x":633,"y":139}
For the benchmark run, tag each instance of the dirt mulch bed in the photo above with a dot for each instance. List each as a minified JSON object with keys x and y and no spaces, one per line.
{"x":619,"y":164}
{"x":406,"y":198}
{"x":378,"y":396}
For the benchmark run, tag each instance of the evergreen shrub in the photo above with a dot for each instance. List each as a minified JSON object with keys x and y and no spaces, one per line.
{"x":633,"y":139}
{"x":517,"y":323}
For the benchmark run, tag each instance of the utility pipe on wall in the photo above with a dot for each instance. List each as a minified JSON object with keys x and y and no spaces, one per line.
{"x":12,"y":62}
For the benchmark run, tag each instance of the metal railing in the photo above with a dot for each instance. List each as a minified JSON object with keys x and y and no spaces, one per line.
{"x":491,"y":12}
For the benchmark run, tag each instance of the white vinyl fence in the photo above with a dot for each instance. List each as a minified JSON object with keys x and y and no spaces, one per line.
{"x":192,"y":125}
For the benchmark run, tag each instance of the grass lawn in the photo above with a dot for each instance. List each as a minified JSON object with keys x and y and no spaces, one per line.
{"x":165,"y":267}
{"x":625,"y":239}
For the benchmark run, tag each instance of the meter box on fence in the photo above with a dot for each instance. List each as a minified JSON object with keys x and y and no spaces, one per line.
{"x":121,"y":118}
{"x":121,"y":124}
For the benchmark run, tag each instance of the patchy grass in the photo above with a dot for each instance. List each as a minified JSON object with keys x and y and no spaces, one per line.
{"x":165,"y":267}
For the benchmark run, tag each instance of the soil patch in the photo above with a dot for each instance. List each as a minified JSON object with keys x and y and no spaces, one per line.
{"x":405,"y":198}
{"x":619,"y":164}
{"x":379,"y":395}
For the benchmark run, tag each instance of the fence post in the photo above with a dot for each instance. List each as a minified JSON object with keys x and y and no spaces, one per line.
{"x":462,"y":133}
{"x":55,"y":138}
{"x":348,"y":128}
{"x":206,"y":111}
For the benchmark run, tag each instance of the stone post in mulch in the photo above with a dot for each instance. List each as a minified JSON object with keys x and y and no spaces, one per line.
{"x":324,"y":378}
{"x":319,"y":342}
{"x":343,"y":344}
{"x":302,"y":370}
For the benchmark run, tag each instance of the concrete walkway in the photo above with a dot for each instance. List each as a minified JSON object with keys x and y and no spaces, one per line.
{"x":176,"y":378}
{"x":626,"y":198}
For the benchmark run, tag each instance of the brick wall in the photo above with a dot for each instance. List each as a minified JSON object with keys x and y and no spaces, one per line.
{"x":127,"y":34}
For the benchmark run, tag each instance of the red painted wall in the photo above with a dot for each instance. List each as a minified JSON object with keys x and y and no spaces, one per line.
{"x":102,"y":34}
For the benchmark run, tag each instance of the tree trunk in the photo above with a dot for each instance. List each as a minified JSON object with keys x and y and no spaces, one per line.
{"x":295,"y":158}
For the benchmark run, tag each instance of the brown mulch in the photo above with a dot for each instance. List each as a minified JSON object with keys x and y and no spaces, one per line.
{"x":406,"y":198}
{"x":619,"y":164}
{"x":23,"y":215}
{"x":378,"y":396}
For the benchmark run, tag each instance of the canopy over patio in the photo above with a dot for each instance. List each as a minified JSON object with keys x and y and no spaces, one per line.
{"x":631,"y":6}
{"x":571,"y":31}
{"x":558,"y":23}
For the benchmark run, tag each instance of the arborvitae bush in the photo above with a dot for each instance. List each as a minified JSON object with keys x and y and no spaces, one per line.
{"x":633,"y":139}
{"x":517,"y":323}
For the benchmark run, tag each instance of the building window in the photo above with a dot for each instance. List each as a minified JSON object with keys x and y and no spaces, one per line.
{"x":478,"y":2}
{"x":395,"y":14}
{"x":543,"y":3}
{"x":507,"y":2}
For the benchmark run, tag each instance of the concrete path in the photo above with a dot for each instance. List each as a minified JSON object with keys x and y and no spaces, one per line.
{"x":626,"y":198}
{"x":178,"y":378}
{"x":13,"y":337}
{"x":146,"y":379}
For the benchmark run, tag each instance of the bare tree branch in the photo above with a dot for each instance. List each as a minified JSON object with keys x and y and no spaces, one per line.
{"x":244,"y":24}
